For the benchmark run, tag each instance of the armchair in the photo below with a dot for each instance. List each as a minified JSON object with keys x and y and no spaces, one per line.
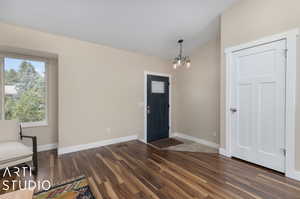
{"x":12,"y":151}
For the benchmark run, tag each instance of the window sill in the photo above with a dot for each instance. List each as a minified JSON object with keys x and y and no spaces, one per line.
{"x":34,"y":124}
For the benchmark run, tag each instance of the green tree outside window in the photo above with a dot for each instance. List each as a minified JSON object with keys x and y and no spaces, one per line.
{"x":28,"y":103}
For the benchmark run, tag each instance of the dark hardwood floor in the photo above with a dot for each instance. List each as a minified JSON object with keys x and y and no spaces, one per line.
{"x":135,"y":170}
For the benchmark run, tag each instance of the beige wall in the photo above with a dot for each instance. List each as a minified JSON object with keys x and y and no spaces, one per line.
{"x":198,"y":92}
{"x":99,"y":87}
{"x":250,"y":20}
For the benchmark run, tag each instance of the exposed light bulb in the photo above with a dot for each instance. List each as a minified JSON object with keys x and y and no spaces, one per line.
{"x":178,"y":62}
{"x":175,"y":64}
{"x":188,"y":64}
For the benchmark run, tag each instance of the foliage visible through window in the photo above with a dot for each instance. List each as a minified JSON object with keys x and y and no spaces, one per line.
{"x":25,"y":91}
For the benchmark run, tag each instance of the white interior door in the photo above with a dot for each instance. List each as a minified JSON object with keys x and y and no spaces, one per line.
{"x":258,"y":105}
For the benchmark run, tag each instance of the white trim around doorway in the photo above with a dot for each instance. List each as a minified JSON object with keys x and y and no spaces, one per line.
{"x":291,"y":39}
{"x":146,"y":73}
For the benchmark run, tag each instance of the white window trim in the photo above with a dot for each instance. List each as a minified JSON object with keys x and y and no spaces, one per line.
{"x":290,"y":131}
{"x":2,"y":93}
{"x":34,"y":124}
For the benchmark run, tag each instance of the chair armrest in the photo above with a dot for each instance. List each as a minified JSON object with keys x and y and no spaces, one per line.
{"x":34,"y":141}
{"x":34,"y":148}
{"x":27,"y":136}
{"x":33,"y":138}
{"x":34,"y":145}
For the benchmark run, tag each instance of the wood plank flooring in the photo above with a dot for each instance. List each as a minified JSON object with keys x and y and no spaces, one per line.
{"x":134,"y":170}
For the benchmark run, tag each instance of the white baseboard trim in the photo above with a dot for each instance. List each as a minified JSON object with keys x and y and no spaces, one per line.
{"x":223,"y":151}
{"x":173,"y":134}
{"x":198,"y":140}
{"x":46,"y":147}
{"x":81,"y":147}
{"x":143,"y":140}
{"x":294,"y":175}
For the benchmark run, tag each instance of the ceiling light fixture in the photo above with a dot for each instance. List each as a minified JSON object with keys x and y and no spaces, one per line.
{"x":181,"y":60}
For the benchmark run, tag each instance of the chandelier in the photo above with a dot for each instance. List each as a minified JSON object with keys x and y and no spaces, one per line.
{"x":181,"y":60}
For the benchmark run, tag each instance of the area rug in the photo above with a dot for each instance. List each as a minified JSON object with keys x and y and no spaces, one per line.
{"x":73,"y":189}
{"x":191,"y":146}
{"x":163,"y":143}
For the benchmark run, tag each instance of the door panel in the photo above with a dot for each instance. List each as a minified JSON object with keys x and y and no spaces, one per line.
{"x":245,"y":102}
{"x":245,"y":107}
{"x":157,"y":107}
{"x":267,"y":113}
{"x":258,"y":92}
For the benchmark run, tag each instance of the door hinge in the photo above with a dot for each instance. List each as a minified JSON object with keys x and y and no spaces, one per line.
{"x":283,"y":151}
{"x":285,"y":53}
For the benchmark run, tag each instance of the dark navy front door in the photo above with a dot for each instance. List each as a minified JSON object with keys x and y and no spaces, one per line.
{"x":157,"y":107}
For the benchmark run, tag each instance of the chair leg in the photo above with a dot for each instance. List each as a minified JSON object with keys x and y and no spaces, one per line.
{"x":35,"y":158}
{"x":35,"y":165}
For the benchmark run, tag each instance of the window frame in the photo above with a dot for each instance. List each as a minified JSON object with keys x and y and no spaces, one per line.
{"x":2,"y":89}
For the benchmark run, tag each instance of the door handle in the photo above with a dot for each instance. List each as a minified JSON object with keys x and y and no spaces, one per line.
{"x":148,"y":110}
{"x":283,"y":150}
{"x":233,"y":110}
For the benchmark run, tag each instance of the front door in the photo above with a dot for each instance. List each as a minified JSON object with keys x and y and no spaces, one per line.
{"x":157,"y":107}
{"x":258,"y":105}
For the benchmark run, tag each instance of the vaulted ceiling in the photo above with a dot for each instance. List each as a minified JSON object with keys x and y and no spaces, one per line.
{"x":150,"y":27}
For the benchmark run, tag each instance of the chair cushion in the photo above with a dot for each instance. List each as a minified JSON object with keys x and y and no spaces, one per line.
{"x":13,"y":151}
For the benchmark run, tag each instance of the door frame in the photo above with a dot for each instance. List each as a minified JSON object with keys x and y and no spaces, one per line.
{"x":146,"y":73}
{"x":290,"y":96}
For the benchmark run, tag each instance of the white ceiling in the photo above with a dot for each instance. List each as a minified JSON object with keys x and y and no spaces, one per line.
{"x":150,"y":27}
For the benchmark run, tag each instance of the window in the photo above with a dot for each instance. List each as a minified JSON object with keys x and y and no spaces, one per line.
{"x":158,"y":87}
{"x":24,"y":95}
